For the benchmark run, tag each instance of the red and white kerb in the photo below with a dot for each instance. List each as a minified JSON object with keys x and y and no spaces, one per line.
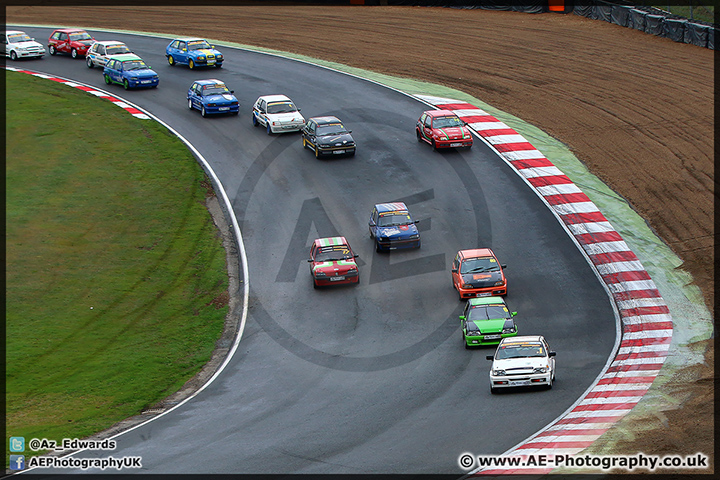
{"x":120,"y":103}
{"x":646,"y":323}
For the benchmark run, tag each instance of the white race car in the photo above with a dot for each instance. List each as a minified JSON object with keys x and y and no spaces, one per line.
{"x":277,"y":113}
{"x":100,"y":52}
{"x":18,"y":44}
{"x":522,"y":362}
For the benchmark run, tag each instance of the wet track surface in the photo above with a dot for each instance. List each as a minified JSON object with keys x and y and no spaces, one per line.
{"x":372,"y":378}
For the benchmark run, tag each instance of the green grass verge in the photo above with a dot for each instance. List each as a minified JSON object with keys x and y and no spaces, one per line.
{"x":116,"y":277}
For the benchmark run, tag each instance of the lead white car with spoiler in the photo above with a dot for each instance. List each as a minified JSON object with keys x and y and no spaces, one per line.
{"x":524,"y":361}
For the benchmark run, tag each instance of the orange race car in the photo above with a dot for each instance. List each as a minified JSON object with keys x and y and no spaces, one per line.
{"x":477,"y":273}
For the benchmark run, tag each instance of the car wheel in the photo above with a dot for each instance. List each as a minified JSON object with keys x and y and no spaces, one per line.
{"x":13,"y":56}
{"x":190,"y":106}
{"x":218,"y":65}
{"x":89,"y":62}
{"x":203,"y":112}
{"x":254,"y":120}
{"x":434,"y":145}
{"x":493,"y":390}
{"x":304,"y":142}
{"x":378,"y":248}
{"x":126,"y":84}
{"x":353,"y":153}
{"x":549,"y":386}
{"x":107,"y":79}
{"x":171,"y":60}
{"x":191,"y":64}
{"x":51,"y":49}
{"x":315,"y":285}
{"x":417,"y":134}
{"x":317,"y":152}
{"x":73,"y":53}
{"x":269,"y":130}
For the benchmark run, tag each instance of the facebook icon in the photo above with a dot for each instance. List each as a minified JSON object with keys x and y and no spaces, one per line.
{"x":17,"y":462}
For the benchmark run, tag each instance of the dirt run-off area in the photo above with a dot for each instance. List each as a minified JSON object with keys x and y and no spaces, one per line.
{"x":636,"y":109}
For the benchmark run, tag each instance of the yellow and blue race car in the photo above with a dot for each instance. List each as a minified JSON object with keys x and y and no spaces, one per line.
{"x":193,"y":52}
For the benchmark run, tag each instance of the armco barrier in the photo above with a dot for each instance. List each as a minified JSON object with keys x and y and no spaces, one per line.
{"x":646,"y":322}
{"x":650,"y":20}
{"x":618,"y":12}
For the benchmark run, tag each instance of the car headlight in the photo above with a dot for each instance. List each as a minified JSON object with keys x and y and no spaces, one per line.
{"x":499,"y":372}
{"x":201,"y":57}
{"x":509,"y":330}
{"x":414,"y":237}
{"x":467,"y":285}
{"x":353,"y":270}
{"x":320,"y":273}
{"x":500,"y":283}
{"x":540,"y":370}
{"x":218,"y":56}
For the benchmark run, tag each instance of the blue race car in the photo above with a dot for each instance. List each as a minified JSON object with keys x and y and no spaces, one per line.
{"x":392,"y":227}
{"x":212,"y":96}
{"x":130,"y":71}
{"x":193,"y":52}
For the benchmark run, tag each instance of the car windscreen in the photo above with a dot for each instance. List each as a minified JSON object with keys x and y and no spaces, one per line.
{"x":479,"y":265}
{"x":445,"y":122}
{"x":215,"y":90}
{"x":199,"y":45}
{"x":520,"y":351}
{"x":134,"y":65}
{"x":394,"y":219}
{"x":80,"y":36}
{"x":489,"y":312}
{"x":116,"y":49}
{"x":333,"y":253}
{"x":18,"y":37}
{"x":281,"y":107}
{"x":331,"y":129}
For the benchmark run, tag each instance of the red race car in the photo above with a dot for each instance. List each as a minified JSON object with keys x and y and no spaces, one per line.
{"x":74,"y":41}
{"x":442,"y":129}
{"x":477,"y":273}
{"x":332,"y":262}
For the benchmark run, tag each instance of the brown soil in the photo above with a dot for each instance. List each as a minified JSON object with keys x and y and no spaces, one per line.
{"x":636,"y":109}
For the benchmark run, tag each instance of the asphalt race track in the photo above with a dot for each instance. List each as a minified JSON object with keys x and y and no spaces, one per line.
{"x":373,"y":378}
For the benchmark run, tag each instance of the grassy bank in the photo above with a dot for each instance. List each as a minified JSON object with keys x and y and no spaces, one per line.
{"x":116,"y":277}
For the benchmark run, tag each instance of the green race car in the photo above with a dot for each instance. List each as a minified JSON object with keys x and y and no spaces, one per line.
{"x":486,"y":321}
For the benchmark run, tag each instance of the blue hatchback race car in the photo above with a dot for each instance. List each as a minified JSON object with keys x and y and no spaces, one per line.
{"x":130,"y":71}
{"x":193,"y":52}
{"x":392,"y":227}
{"x":212,"y":96}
